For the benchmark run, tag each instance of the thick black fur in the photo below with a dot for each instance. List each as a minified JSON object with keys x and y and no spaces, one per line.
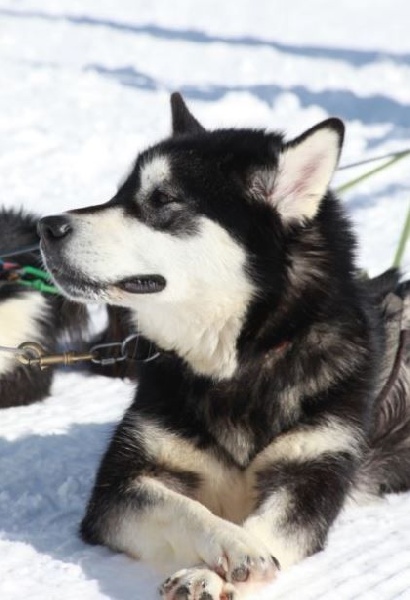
{"x":312,"y":350}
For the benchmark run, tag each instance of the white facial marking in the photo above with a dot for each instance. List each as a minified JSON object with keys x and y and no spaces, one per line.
{"x":153,"y":173}
{"x":18,"y":317}
{"x":200,"y":312}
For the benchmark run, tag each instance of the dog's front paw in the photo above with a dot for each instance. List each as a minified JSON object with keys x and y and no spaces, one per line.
{"x":197,"y":584}
{"x":238,"y":556}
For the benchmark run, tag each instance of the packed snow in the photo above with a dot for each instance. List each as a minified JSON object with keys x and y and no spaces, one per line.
{"x":85,"y":85}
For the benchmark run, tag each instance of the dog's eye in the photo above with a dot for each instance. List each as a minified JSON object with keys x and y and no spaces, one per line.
{"x":161,"y":198}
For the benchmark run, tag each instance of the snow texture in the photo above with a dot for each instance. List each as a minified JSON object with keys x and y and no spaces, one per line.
{"x":84,"y":85}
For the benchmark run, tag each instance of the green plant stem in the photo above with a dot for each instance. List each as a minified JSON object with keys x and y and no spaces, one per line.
{"x":406,"y":229}
{"x":357,"y":180}
{"x":402,"y":242}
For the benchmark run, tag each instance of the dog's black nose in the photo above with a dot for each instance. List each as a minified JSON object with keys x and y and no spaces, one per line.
{"x":54,"y":227}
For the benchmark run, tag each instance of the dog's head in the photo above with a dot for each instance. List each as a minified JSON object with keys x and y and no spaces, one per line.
{"x":198,"y":227}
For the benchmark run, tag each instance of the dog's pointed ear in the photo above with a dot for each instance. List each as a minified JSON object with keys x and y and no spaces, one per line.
{"x":182,"y":120}
{"x":305,"y":169}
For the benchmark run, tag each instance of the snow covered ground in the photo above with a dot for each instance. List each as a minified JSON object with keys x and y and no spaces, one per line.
{"x":84,"y":85}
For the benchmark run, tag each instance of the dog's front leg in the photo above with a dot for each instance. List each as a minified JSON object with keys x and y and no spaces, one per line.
{"x":149,"y":521}
{"x":302,"y":481}
{"x":156,"y":524}
{"x":143,"y":504}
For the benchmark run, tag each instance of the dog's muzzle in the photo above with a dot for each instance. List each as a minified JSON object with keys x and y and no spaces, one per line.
{"x":55,"y":231}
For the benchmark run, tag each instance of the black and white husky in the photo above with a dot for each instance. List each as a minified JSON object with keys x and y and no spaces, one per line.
{"x":271,"y":402}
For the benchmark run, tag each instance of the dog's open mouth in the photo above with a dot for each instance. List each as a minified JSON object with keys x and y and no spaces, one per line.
{"x":142,"y":284}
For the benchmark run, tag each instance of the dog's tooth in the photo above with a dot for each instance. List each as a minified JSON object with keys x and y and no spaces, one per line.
{"x":143,"y":284}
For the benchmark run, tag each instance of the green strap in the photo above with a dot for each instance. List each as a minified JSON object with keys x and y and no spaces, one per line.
{"x":39,"y":273}
{"x":41,"y":283}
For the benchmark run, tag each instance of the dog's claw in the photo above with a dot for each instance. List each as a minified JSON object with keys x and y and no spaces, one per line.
{"x":222,"y":566}
{"x":182,"y":593}
{"x":240,"y":573}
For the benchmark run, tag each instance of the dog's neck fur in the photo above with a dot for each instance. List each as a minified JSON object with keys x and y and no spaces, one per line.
{"x":205,"y":335}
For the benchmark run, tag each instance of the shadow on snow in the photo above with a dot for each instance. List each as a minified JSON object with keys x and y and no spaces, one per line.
{"x":371,"y":110}
{"x":49,"y":480}
{"x":354,"y":57}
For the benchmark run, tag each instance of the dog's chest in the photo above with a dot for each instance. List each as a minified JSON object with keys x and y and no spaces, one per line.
{"x":224,"y":489}
{"x":235,"y":440}
{"x":227,"y":492}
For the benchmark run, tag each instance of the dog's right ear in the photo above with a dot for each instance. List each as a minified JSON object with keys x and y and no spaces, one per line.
{"x":182,"y":120}
{"x":302,"y":177}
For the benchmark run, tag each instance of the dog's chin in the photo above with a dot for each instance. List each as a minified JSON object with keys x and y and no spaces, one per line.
{"x":73,"y":285}
{"x":81,"y":290}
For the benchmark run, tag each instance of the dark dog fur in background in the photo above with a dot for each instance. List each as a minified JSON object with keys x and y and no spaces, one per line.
{"x":28,"y":315}
{"x":272,"y":403}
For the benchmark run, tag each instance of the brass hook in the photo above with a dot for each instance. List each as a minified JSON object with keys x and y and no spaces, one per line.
{"x":33,"y":353}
